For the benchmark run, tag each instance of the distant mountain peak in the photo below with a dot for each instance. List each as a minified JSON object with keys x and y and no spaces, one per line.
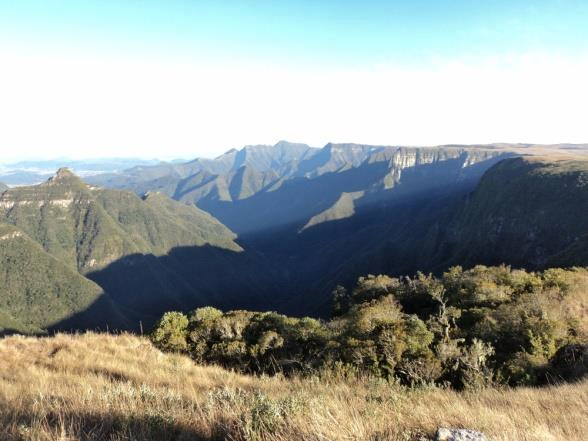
{"x":62,"y":175}
{"x":349,"y":146}
{"x":284,"y":143}
{"x":64,"y":172}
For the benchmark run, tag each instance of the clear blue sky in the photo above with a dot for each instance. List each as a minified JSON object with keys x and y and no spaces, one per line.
{"x":311,"y":31}
{"x":307,"y":36}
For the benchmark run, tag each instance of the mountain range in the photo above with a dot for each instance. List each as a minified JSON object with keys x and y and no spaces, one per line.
{"x":279,"y":227}
{"x":29,"y":172}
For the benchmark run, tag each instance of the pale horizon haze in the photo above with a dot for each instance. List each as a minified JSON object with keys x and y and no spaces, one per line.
{"x":180,"y":79}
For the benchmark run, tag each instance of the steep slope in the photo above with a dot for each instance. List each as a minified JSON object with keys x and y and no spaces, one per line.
{"x":260,"y":187}
{"x":247,"y":181}
{"x":235,"y":185}
{"x":169,"y":179}
{"x":89,"y":228}
{"x":38,"y":291}
{"x":343,"y":208}
{"x":336,"y":157}
{"x":210,"y":179}
{"x":3,"y":187}
{"x":259,"y":157}
{"x":203,"y":185}
{"x":163,"y":178}
{"x":267,"y":157}
{"x":392,"y":175}
{"x":304,"y":229}
{"x":528,"y":212}
{"x":149,"y":254}
{"x":193,"y":224}
{"x":263,"y":186}
{"x":346,"y":210}
{"x":373,"y":218}
{"x":63,"y":217}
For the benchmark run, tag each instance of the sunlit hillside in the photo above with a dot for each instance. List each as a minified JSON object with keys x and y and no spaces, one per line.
{"x":104,"y":387}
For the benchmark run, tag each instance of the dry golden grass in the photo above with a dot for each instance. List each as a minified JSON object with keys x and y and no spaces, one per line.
{"x":104,"y":387}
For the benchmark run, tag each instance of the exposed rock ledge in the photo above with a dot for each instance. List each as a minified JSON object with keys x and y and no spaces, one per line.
{"x":13,"y":235}
{"x":459,"y":435}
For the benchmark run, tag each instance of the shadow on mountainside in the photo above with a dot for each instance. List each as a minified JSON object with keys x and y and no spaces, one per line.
{"x":396,"y":231}
{"x":298,"y":200}
{"x":102,"y":315}
{"x":140,"y":288}
{"x":394,"y":239}
{"x":399,"y":231}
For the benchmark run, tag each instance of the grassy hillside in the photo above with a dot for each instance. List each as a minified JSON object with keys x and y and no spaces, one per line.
{"x":37,"y":290}
{"x":193,"y":225}
{"x":99,"y":387}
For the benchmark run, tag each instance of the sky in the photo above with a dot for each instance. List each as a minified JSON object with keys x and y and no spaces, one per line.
{"x":188,"y":78}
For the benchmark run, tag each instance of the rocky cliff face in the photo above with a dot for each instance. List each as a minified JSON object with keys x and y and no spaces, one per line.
{"x":525,"y":212}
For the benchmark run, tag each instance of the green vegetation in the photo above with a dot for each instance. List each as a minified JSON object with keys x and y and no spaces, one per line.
{"x":466,"y":329}
{"x":151,"y":254}
{"x":89,"y":228}
{"x":37,"y":290}
{"x":525,"y":211}
{"x":54,"y":238}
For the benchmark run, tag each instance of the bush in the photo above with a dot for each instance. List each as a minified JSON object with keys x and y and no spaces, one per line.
{"x":467,"y":328}
{"x":570,"y":363}
{"x":171,"y":332}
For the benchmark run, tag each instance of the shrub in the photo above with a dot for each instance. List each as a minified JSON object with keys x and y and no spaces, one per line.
{"x":170,"y":332}
{"x":570,"y":363}
{"x":467,"y":328}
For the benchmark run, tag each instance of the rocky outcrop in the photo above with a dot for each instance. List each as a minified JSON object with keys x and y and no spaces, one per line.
{"x":459,"y":435}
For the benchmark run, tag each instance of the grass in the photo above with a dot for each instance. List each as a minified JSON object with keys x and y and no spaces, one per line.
{"x":105,"y":387}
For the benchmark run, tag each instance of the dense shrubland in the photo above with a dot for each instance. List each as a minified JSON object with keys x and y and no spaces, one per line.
{"x":465,"y":329}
